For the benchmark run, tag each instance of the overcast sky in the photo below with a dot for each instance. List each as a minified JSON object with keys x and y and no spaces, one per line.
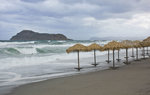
{"x":77,"y":19}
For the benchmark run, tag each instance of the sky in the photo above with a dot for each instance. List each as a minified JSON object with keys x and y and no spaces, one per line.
{"x":77,"y":19}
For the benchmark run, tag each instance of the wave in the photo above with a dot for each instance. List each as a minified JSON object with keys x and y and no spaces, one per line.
{"x":31,"y":50}
{"x":15,"y":43}
{"x":49,"y":42}
{"x":50,"y":50}
{"x":40,"y":47}
{"x":10,"y":51}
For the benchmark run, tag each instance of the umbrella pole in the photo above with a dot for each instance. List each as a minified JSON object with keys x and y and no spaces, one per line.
{"x":143,"y":52}
{"x":137,"y":54}
{"x":78,"y":62}
{"x":132,"y":52}
{"x":126,"y":56}
{"x":108,"y":61}
{"x":147,"y":51}
{"x":95,"y":58}
{"x":118,"y":56}
{"x":113,"y":59}
{"x":108,"y":56}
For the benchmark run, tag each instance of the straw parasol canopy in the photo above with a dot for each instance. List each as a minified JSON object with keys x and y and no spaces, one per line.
{"x":94,"y":47}
{"x":127,"y":43}
{"x":77,"y":48}
{"x":145,"y":43}
{"x":136,"y":44}
{"x":114,"y":45}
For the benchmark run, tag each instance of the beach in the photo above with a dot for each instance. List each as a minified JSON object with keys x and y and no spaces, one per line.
{"x":131,"y":79}
{"x":33,"y":61}
{"x":74,"y":47}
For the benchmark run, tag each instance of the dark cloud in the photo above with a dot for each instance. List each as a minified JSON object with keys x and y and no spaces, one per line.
{"x":32,"y":1}
{"x":73,"y":17}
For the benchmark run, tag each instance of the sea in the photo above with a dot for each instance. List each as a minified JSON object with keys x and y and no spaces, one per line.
{"x":23,"y":62}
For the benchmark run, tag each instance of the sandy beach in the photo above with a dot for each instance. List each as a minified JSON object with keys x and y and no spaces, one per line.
{"x":75,"y":47}
{"x":131,"y":79}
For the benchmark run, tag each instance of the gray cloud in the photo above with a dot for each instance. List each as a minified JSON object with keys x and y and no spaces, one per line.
{"x":78,"y":19}
{"x":32,"y":1}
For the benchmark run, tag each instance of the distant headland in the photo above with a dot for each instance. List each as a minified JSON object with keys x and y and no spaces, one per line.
{"x":29,"y":35}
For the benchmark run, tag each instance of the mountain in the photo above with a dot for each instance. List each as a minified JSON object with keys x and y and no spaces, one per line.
{"x":29,"y":35}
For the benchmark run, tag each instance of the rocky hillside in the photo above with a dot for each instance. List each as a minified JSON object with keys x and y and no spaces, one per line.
{"x":29,"y":35}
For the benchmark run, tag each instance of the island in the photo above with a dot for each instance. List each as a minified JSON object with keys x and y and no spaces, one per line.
{"x":29,"y":35}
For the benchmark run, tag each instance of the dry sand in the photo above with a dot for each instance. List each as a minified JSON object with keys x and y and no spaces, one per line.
{"x":133,"y":79}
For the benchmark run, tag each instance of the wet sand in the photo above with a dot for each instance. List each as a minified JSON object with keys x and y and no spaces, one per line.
{"x":133,"y":79}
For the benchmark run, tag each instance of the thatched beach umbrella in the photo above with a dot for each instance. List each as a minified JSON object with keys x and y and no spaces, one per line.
{"x":94,"y":47}
{"x":144,"y":44}
{"x":130,"y":44}
{"x":77,"y":48}
{"x":136,"y":44}
{"x":113,"y":46}
{"x":147,"y":40}
{"x":127,"y":44}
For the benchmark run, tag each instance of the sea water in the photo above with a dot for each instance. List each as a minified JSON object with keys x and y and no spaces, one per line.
{"x":24,"y":62}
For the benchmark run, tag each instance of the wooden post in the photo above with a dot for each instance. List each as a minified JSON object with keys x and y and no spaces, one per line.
{"x":108,"y":56}
{"x":127,"y":56}
{"x":118,"y":56}
{"x":144,"y":52}
{"x":113,"y":58}
{"x":108,"y":61}
{"x":95,"y":57}
{"x":137,"y":54}
{"x":147,"y":51}
{"x":78,"y":62}
{"x":127,"y":62}
{"x":132,"y":52}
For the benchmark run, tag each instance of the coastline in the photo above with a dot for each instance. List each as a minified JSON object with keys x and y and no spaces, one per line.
{"x":87,"y":68}
{"x":131,"y":79}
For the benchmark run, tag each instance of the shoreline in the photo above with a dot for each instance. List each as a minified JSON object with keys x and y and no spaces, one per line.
{"x":103,"y":82}
{"x":86,"y":69}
